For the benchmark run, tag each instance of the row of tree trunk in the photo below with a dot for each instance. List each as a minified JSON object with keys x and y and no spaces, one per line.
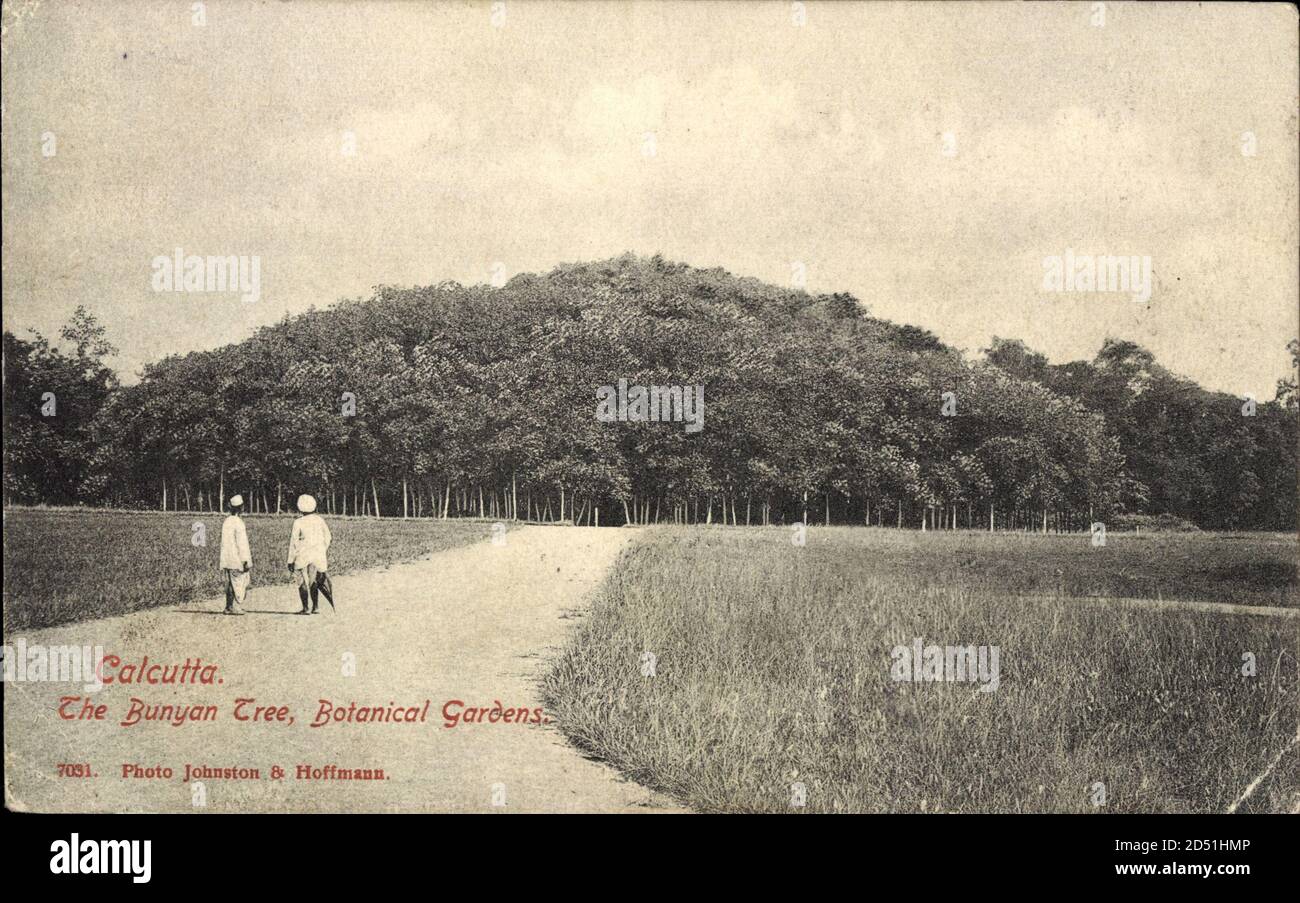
{"x":504,"y":503}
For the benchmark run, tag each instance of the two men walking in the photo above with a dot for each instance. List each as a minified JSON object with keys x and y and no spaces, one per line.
{"x":309,"y":542}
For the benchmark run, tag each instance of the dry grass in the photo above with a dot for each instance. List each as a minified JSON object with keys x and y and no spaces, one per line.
{"x":76,"y":564}
{"x":773,"y":667}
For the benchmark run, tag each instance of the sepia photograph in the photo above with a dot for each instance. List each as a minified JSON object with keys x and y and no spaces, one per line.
{"x":662,"y":408}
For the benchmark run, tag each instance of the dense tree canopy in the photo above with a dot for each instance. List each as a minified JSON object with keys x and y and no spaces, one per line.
{"x":1211,"y":458}
{"x":450,"y":400}
{"x":52,"y":400}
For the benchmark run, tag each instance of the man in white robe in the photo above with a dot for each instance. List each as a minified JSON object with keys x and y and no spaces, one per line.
{"x":309,"y":543}
{"x":236,"y":559}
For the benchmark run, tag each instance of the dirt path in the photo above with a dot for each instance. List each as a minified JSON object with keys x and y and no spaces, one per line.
{"x":1219,"y":608}
{"x":473,"y":624}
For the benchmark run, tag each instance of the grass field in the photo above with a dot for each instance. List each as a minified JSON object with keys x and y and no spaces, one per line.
{"x":63,"y":565}
{"x":773,"y":668}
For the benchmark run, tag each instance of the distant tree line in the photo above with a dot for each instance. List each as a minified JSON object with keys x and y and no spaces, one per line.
{"x":450,"y":400}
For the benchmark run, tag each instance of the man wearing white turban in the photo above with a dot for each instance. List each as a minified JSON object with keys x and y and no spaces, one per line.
{"x":236,"y":559}
{"x":309,"y":543}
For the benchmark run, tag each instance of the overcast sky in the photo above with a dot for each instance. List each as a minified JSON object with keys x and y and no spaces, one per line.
{"x":926,"y":158}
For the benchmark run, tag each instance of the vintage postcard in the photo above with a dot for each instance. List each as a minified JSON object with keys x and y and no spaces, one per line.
{"x":650,"y":407}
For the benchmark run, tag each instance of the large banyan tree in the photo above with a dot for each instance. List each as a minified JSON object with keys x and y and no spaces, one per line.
{"x":450,"y":400}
